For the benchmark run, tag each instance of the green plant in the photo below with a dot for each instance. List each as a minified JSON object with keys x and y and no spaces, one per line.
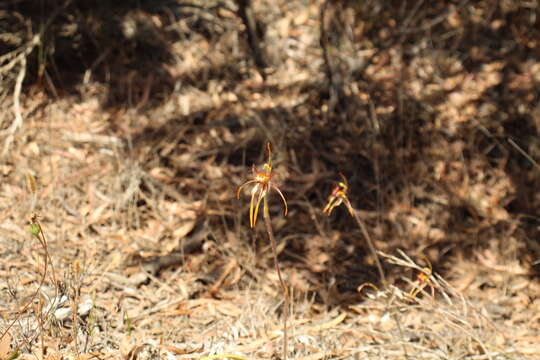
{"x":263,"y":183}
{"x":37,"y":232}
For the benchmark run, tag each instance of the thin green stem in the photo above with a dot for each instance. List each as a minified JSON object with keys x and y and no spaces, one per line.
{"x":270,"y":232}
{"x":38,"y":233}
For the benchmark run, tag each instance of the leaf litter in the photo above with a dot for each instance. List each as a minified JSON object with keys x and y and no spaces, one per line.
{"x":143,"y":198}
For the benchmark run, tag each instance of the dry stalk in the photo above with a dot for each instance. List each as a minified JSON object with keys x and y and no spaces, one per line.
{"x":18,"y":57}
{"x":7,"y":63}
{"x":76,"y":290}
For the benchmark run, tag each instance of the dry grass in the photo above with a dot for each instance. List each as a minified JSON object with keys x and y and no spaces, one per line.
{"x":153,"y":256}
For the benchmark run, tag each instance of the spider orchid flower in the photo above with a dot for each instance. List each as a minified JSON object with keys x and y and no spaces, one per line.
{"x":338,"y":197}
{"x":262,"y":183}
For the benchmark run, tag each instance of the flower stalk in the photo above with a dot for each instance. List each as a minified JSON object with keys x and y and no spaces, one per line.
{"x":262,"y":184}
{"x":338,"y":197}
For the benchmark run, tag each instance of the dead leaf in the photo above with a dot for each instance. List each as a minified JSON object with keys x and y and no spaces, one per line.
{"x":186,"y":216}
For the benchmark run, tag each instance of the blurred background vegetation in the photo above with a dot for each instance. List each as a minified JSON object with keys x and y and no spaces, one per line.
{"x":430,"y":108}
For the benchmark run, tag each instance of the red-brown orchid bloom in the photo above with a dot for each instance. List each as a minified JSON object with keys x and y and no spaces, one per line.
{"x":338,"y":197}
{"x":263,"y":182}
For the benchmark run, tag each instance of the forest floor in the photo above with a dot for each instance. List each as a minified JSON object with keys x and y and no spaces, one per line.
{"x":131,"y":173}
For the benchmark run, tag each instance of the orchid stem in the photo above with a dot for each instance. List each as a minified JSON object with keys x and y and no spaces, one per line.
{"x":371,"y":246}
{"x":270,"y":232}
{"x":369,"y":242}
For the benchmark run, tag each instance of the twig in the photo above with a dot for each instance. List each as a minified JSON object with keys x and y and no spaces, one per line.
{"x":524,"y":153}
{"x":17,"y":123}
{"x":19,"y":56}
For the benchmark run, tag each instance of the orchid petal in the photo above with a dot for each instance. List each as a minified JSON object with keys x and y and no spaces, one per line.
{"x":262,"y":194}
{"x":242,"y":186}
{"x":282,"y":197}
{"x":251,"y":212}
